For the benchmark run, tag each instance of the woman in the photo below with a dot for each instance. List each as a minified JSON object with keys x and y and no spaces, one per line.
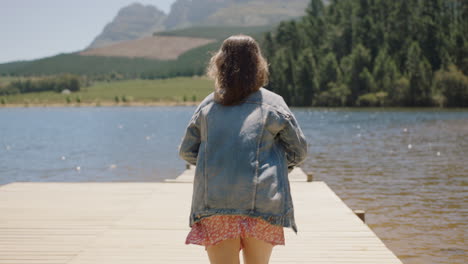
{"x":242,"y":139}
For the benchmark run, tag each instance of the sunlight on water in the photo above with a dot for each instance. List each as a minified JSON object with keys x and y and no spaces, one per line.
{"x":406,"y":169}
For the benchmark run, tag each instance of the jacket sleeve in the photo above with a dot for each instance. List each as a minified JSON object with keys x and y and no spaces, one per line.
{"x":293,"y":140}
{"x":188,"y":149}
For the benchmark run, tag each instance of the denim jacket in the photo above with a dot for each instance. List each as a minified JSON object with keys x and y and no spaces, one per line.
{"x":242,"y":155}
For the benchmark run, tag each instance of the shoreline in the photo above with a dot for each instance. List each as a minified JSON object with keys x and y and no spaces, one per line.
{"x":100,"y":104}
{"x":196,"y":103}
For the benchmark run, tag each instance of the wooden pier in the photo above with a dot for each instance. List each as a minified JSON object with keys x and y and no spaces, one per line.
{"x":133,"y":223}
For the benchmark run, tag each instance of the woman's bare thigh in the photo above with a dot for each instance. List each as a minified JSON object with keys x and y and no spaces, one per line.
{"x":225,"y":252}
{"x":256,"y":251}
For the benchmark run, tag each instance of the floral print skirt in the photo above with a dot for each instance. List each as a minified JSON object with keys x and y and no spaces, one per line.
{"x":214,"y":229}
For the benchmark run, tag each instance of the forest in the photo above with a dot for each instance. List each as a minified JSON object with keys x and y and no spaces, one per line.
{"x":372,"y":53}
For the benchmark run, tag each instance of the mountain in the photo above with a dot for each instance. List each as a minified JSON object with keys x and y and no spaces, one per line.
{"x":137,"y":20}
{"x":186,"y":13}
{"x":132,"y":22}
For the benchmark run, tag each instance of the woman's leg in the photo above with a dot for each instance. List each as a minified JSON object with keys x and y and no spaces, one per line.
{"x":225,"y":252}
{"x":256,"y":251}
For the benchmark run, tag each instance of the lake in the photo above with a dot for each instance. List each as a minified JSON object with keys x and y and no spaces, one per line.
{"x":406,"y":167}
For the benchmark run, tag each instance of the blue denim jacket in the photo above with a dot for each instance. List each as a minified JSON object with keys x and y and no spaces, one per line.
{"x":242,"y":155}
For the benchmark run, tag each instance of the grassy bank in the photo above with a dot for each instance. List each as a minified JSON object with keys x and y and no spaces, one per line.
{"x":183,"y":90}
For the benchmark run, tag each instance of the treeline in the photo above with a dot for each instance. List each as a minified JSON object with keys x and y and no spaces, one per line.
{"x":55,"y":83}
{"x":372,"y":53}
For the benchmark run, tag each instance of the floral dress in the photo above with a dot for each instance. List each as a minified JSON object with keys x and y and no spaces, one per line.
{"x":216,"y":228}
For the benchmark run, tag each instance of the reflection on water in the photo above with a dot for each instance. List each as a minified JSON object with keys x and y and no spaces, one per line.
{"x":406,"y":168}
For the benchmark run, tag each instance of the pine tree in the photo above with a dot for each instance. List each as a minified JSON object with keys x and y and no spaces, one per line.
{"x":306,"y":78}
{"x":352,"y":66}
{"x":432,"y":37}
{"x":314,"y":24}
{"x":385,"y":72}
{"x":419,"y":72}
{"x":268,"y":46}
{"x":330,"y":71}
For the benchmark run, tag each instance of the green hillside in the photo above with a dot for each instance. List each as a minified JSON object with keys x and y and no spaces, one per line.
{"x":190,"y":63}
{"x":11,"y":67}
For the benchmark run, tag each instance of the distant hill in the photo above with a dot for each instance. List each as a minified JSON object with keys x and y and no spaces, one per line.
{"x":137,"y":20}
{"x":188,"y":63}
{"x":132,"y":22}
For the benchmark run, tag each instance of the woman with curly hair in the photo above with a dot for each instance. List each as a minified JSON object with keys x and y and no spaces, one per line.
{"x":243,"y":140}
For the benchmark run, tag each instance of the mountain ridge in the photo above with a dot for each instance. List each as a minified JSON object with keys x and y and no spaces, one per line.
{"x":136,"y":20}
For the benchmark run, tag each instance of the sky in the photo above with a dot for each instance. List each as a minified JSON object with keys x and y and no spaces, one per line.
{"x":32,"y":29}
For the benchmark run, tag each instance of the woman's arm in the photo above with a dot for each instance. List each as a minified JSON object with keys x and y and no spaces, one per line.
{"x":293,"y":140}
{"x":188,"y":149}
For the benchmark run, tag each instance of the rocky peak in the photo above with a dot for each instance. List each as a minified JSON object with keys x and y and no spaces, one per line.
{"x":131,"y":22}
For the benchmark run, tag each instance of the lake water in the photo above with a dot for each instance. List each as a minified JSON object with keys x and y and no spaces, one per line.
{"x":407,"y":168}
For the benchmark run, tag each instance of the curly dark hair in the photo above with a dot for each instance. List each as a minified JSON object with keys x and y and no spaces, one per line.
{"x":238,"y":69}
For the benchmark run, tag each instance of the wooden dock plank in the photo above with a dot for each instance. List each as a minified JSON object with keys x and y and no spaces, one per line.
{"x":84,"y":223}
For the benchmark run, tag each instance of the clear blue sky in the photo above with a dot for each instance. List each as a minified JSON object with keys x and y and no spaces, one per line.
{"x":32,"y":29}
